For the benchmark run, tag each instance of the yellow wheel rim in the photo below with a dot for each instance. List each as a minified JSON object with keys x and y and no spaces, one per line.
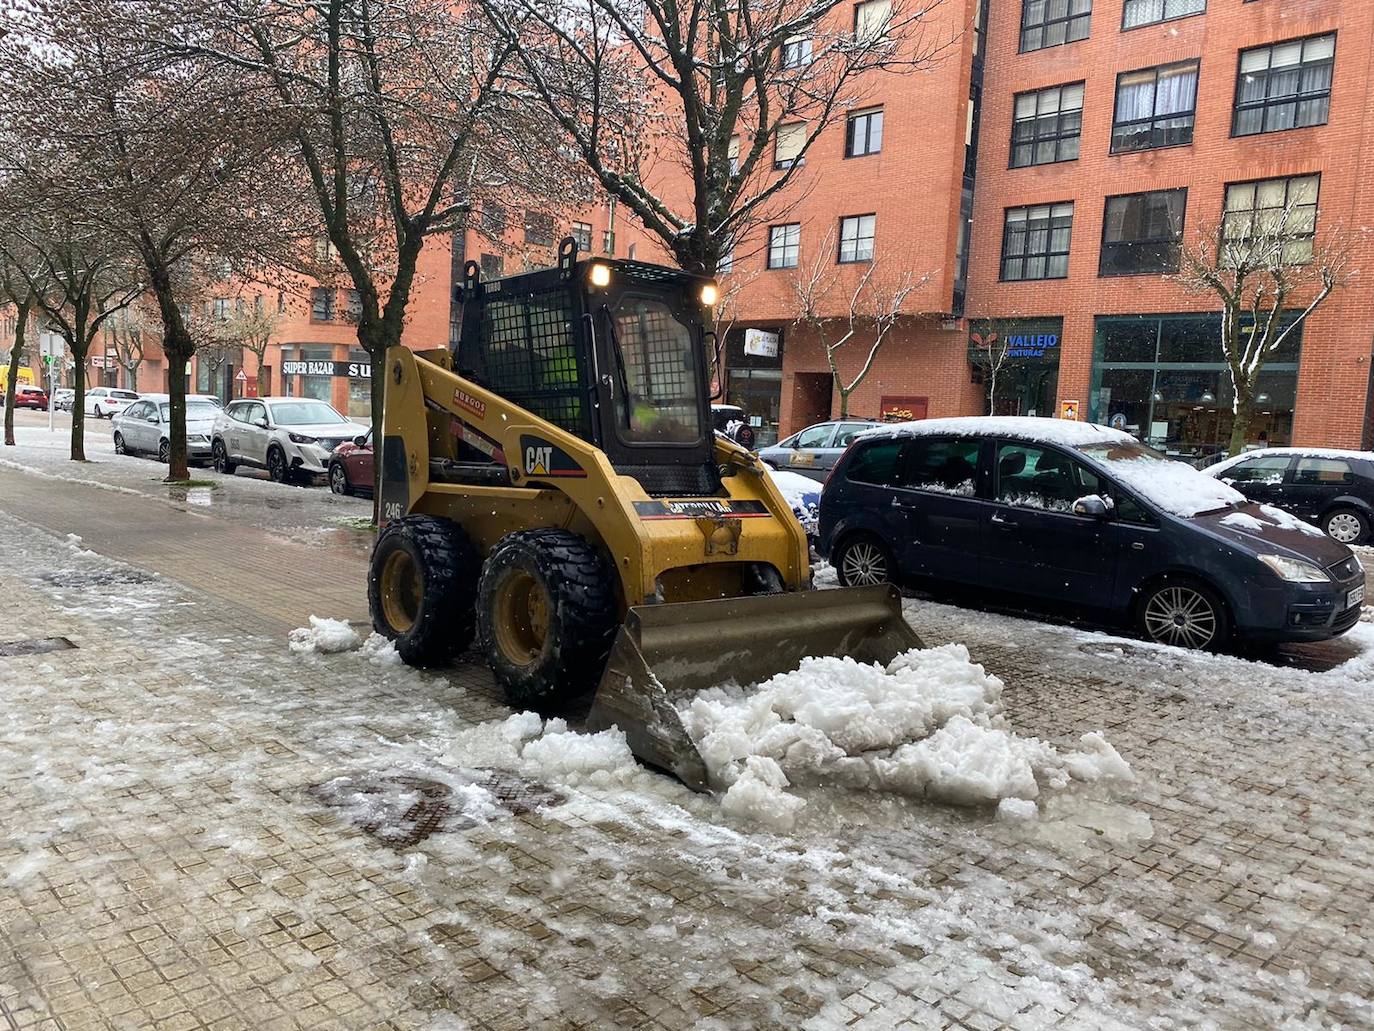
{"x":402,"y":588}
{"x":522,"y":617}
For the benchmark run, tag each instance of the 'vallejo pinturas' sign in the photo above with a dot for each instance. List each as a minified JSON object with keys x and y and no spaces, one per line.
{"x":352,"y":370}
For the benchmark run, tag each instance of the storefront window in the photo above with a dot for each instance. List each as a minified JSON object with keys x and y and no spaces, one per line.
{"x":1017,"y":361}
{"x":1165,"y":380}
{"x":321,"y":388}
{"x":359,"y":388}
{"x":754,"y":380}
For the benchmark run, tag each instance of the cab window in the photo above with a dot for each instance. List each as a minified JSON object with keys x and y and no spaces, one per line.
{"x":941,"y":466}
{"x":1322,"y":471}
{"x":1029,"y":476}
{"x":1268,"y":469}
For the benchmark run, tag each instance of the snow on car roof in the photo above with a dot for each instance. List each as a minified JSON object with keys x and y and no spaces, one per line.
{"x":1305,"y":452}
{"x":1022,"y":427}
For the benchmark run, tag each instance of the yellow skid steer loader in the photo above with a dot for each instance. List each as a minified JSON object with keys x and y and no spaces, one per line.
{"x":553,"y":488}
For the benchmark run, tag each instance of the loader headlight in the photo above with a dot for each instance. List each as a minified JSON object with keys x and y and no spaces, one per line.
{"x":601,"y":275}
{"x":709,"y":294}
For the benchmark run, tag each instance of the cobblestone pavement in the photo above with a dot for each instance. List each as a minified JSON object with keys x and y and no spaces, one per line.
{"x":186,"y":843}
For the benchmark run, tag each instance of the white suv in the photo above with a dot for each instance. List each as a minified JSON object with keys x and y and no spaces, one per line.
{"x":290,"y":437}
{"x":106,"y":402}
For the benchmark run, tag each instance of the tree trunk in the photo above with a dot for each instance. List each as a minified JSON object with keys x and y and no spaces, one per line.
{"x":844,"y":403}
{"x":12,"y":377}
{"x":78,"y":406}
{"x":262,"y":380}
{"x":131,"y":377}
{"x":1245,"y":411}
{"x":177,"y":468}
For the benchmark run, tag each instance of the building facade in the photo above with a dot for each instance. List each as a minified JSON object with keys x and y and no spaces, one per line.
{"x":1041,"y":178}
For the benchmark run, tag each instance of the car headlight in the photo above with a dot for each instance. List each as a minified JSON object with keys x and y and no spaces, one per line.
{"x":300,"y":438}
{"x":1295,"y":570}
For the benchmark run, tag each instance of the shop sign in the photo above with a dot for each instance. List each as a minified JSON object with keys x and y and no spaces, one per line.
{"x":1069,"y":410}
{"x":1039,"y":341}
{"x":761,"y":343}
{"x":349,"y":370}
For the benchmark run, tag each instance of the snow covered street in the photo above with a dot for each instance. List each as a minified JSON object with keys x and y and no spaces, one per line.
{"x":209,"y":826}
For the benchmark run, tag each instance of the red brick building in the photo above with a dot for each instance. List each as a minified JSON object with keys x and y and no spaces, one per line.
{"x":1134,"y":122}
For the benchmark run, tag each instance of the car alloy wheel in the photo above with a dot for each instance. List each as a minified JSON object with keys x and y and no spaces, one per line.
{"x":338,"y":479}
{"x":1181,"y":615}
{"x":119,"y":444}
{"x":164,"y":451}
{"x":1345,"y":526}
{"x":864,"y":563}
{"x":276,"y":465}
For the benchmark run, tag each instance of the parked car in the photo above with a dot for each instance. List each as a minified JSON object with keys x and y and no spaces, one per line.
{"x":350,"y":466}
{"x":1076,"y":514}
{"x":733,"y":422}
{"x":290,"y":437}
{"x":26,"y":396}
{"x":1330,"y":488}
{"x":144,"y":427}
{"x":104,"y":402}
{"x":803,"y":494}
{"x":814,"y":450}
{"x":63,"y":399}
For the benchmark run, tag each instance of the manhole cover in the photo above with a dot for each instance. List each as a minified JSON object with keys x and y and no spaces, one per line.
{"x":97,"y":578}
{"x":34,"y":646}
{"x":401,"y":810}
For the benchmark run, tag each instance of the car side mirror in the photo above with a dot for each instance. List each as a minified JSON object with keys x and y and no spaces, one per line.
{"x":260,"y":422}
{"x":1094,"y":505}
{"x":360,"y":440}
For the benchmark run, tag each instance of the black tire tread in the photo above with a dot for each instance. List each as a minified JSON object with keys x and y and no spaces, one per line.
{"x":450,"y":566}
{"x":581,"y":585}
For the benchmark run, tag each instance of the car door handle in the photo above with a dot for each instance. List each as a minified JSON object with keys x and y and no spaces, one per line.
{"x":1003,"y":521}
{"x":1137,"y":546}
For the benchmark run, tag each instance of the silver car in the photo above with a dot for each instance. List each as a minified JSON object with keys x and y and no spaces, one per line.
{"x":145,"y":427}
{"x":814,"y":451}
{"x":290,"y":437}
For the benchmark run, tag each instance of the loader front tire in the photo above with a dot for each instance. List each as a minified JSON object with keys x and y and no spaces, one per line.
{"x":546,"y":615}
{"x":422,"y":588}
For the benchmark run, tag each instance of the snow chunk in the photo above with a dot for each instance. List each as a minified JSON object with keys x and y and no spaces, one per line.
{"x":549,"y":750}
{"x":758,"y":796}
{"x":928,"y":725}
{"x":323,"y":636}
{"x":1017,"y":809}
{"x":380,"y":651}
{"x":1242,"y":521}
{"x":1285,"y":521}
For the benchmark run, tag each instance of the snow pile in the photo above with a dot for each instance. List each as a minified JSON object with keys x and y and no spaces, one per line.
{"x":1242,"y":521}
{"x":546,"y":749}
{"x":323,"y":636}
{"x":929,"y":725}
{"x":1174,"y":486}
{"x":1065,"y":432}
{"x":802,"y":494}
{"x":1285,"y":521}
{"x":380,"y":651}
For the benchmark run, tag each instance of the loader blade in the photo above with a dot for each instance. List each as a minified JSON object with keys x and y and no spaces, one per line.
{"x":664,"y":654}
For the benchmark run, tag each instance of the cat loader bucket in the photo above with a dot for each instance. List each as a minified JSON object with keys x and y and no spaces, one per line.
{"x":664,"y":654}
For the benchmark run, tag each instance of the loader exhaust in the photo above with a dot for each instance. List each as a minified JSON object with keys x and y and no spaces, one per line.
{"x":664,"y":653}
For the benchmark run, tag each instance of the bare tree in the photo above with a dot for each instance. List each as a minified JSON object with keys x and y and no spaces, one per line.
{"x":730,"y":94}
{"x":17,"y":290}
{"x":1271,"y":270}
{"x":128,"y":334}
{"x":400,"y":125}
{"x":252,"y":328}
{"x":862,"y":309}
{"x":991,"y":354}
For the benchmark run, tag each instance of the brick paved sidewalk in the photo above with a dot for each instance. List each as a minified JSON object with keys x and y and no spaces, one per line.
{"x":168,"y":858}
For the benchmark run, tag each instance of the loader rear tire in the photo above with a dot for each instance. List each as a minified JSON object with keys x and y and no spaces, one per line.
{"x":546,"y":615}
{"x":422,"y":588}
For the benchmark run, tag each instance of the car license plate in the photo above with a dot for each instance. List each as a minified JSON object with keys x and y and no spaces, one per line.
{"x":801,"y":458}
{"x":1355,"y":597}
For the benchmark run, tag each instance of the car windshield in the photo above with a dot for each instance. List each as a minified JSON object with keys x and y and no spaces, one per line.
{"x":194,"y":410}
{"x":1174,"y":486}
{"x":306,"y":413}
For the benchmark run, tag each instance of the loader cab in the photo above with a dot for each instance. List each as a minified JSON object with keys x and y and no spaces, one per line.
{"x":611,"y":351}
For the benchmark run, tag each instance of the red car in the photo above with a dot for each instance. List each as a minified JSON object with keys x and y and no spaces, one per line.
{"x":28,"y":397}
{"x":350,"y":466}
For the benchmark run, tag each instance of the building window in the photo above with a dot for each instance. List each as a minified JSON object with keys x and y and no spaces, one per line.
{"x":864,"y":133}
{"x":856,"y":238}
{"x":1035,"y":242}
{"x":1273,"y":210}
{"x":796,"y":52}
{"x":631,"y":252}
{"x":582,"y":235}
{"x":493,"y":218}
{"x":538,"y":229}
{"x":1141,"y":233}
{"x":608,"y":240}
{"x":871,"y":20}
{"x":733,"y":155}
{"x":1147,"y":12}
{"x":1284,"y":86}
{"x":1155,"y":107}
{"x":492,"y":266}
{"x":355,"y":305}
{"x":220,"y":309}
{"x":322,"y":304}
{"x":787,"y":147}
{"x":1048,"y":23}
{"x":784,"y":245}
{"x":1046,"y":125}
{"x":726,"y":262}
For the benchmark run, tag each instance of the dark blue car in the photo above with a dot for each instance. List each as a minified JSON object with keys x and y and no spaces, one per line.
{"x":1086,"y":516}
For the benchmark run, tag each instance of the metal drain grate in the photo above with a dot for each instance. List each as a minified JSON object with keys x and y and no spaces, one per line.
{"x":401,"y":810}
{"x":97,"y":578}
{"x":34,"y":646}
